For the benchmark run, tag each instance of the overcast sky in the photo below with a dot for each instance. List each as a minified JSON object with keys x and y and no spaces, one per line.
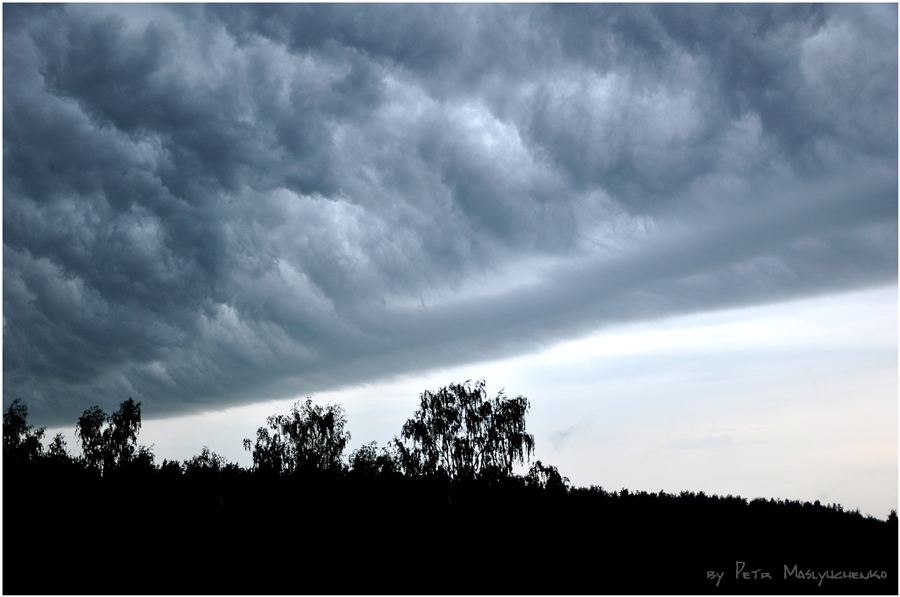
{"x":225,"y":206}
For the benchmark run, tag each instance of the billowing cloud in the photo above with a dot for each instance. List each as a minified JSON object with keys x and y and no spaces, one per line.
{"x":208,"y":205}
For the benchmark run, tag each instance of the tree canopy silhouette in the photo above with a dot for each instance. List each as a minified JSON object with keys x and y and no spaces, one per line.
{"x":546,"y":477}
{"x":21,"y":441}
{"x":459,"y":433}
{"x":368,"y":461}
{"x":58,"y":451}
{"x":311,"y":437}
{"x":116,"y":445}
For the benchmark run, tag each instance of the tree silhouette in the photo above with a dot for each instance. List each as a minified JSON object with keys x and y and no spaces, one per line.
{"x":121,"y":435}
{"x":21,"y":441}
{"x":205,"y":468}
{"x":89,"y":431}
{"x":546,"y":477}
{"x":107,"y":449}
{"x":207,"y":460}
{"x":367,"y":461}
{"x":58,"y":450}
{"x":458,"y":433}
{"x":311,"y":437}
{"x":269,"y":452}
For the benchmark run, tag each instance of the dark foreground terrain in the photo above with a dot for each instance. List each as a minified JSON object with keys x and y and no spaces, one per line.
{"x":236,"y":532}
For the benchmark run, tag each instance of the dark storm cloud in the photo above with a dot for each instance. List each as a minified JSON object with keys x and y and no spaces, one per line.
{"x":206,"y":205}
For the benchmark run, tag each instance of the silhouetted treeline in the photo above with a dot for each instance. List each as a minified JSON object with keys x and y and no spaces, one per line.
{"x":438,"y":510}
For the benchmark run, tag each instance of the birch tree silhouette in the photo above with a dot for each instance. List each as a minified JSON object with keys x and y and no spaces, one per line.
{"x":311,"y":437}
{"x":459,"y":433}
{"x":21,"y":441}
{"x":89,"y":432}
{"x":116,"y":445}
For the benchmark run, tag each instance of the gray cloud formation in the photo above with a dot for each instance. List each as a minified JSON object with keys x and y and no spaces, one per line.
{"x":207,"y":205}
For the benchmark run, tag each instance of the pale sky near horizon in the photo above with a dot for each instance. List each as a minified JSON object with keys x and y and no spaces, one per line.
{"x":794,"y":400}
{"x":672,"y":227}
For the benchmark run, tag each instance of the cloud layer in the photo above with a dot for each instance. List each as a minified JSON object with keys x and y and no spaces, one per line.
{"x":207,"y":205}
